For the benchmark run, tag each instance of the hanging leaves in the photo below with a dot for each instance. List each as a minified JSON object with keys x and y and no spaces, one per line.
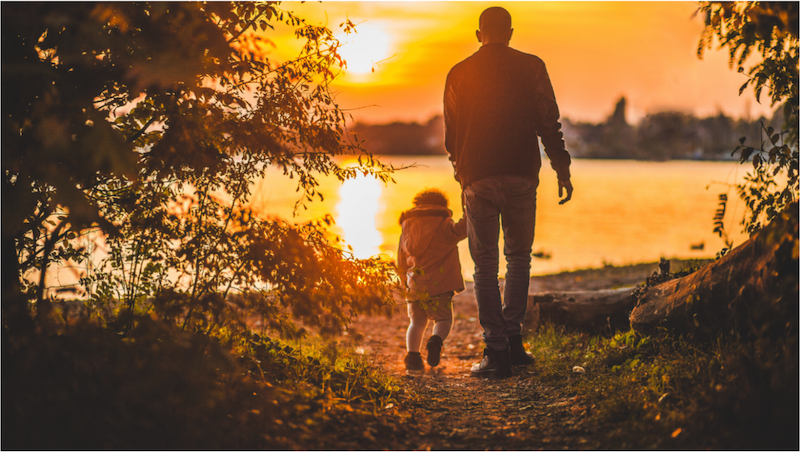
{"x":719,"y":216}
{"x":768,"y":29}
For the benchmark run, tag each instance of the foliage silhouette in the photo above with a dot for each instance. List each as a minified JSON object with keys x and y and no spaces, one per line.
{"x":131,"y":135}
{"x":145,"y":124}
{"x":768,"y":29}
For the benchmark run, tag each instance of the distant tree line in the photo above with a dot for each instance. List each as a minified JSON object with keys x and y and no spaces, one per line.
{"x":399,"y":138}
{"x":663,"y":135}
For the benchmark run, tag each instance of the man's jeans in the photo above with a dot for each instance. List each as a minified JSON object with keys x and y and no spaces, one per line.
{"x":511,"y":199}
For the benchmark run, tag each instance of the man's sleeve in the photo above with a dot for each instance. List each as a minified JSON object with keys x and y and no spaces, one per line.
{"x":450,"y":110}
{"x":548,"y":127}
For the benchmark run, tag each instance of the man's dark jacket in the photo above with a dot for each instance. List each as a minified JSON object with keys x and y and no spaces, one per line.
{"x":496,"y":102}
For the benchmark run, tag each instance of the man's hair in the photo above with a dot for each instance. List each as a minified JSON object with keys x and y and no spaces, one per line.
{"x":494,"y":20}
{"x":430,"y":196}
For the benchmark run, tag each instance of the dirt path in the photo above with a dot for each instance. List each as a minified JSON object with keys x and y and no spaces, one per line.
{"x":452,"y":410}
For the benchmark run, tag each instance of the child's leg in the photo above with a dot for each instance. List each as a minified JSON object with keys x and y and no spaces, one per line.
{"x":443,"y":321}
{"x":418,"y":322}
{"x":443,"y":318}
{"x":442,"y":328}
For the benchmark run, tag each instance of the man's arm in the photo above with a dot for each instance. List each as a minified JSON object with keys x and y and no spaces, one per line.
{"x":548,"y":127}
{"x":564,"y":185}
{"x":450,"y":121}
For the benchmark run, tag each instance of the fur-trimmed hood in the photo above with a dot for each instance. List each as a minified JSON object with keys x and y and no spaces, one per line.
{"x":425,"y":210}
{"x":421,"y":223}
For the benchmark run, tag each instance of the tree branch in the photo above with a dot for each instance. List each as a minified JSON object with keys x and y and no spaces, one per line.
{"x":141,"y":132}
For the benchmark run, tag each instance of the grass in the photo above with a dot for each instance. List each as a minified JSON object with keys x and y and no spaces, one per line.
{"x":342,"y":373}
{"x":160,"y":388}
{"x":85,"y":387}
{"x":676,"y":392}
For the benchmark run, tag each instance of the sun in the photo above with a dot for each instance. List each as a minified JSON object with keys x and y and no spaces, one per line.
{"x":364,"y":49}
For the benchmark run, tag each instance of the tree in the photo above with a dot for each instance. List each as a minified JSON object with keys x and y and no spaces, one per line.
{"x":116,"y":114}
{"x":768,"y":30}
{"x":666,"y":135}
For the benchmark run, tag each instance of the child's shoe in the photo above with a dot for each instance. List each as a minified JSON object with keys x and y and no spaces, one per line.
{"x":413,"y":361}
{"x":434,"y":347}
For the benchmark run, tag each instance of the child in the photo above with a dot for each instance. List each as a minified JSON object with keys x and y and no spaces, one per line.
{"x":428,"y":264}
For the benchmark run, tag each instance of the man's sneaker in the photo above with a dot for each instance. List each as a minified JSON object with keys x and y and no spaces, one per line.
{"x":413,"y":361}
{"x":434,"y":347}
{"x":495,"y":364}
{"x":517,"y":354}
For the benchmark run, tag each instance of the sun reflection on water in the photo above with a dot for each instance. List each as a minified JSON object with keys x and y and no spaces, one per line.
{"x":357,"y":212}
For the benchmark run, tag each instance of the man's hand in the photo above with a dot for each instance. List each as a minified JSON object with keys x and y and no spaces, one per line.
{"x":564,"y":184}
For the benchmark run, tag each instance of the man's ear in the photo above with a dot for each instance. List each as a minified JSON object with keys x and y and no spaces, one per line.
{"x":479,"y":36}
{"x":510,"y":32}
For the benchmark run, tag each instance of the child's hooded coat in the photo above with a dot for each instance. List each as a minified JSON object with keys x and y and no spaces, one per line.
{"x":427,"y":258}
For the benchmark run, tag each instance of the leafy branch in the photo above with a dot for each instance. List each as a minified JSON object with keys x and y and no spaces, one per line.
{"x":768,"y":29}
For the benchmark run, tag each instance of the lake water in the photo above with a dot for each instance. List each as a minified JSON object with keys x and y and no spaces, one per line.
{"x":622,"y":211}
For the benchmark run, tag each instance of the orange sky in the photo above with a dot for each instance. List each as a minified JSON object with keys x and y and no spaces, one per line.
{"x":595,"y":52}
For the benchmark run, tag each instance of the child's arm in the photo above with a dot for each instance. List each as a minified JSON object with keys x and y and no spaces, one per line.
{"x":461,"y":228}
{"x":402,"y":262}
{"x":456,"y":232}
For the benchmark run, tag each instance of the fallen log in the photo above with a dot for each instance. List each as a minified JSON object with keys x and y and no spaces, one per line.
{"x":752,"y":289}
{"x":591,"y":310}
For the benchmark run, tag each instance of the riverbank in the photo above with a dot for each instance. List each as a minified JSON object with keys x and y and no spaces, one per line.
{"x":633,"y":393}
{"x":163,"y":388}
{"x":385,"y":337}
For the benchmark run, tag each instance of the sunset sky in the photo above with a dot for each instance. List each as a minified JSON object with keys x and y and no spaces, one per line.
{"x":595,"y":53}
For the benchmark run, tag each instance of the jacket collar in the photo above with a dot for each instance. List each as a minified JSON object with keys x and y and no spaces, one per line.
{"x":425,"y":210}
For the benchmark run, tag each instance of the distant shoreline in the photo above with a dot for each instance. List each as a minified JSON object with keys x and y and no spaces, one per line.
{"x":608,"y":277}
{"x":732,"y":159}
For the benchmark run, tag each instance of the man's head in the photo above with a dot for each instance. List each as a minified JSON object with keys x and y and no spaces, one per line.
{"x":495,"y":26}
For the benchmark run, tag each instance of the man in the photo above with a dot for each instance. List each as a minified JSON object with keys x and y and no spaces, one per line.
{"x":496,"y":103}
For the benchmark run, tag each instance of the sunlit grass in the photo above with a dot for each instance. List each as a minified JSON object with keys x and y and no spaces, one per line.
{"x":324,"y":367}
{"x":675,"y":392}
